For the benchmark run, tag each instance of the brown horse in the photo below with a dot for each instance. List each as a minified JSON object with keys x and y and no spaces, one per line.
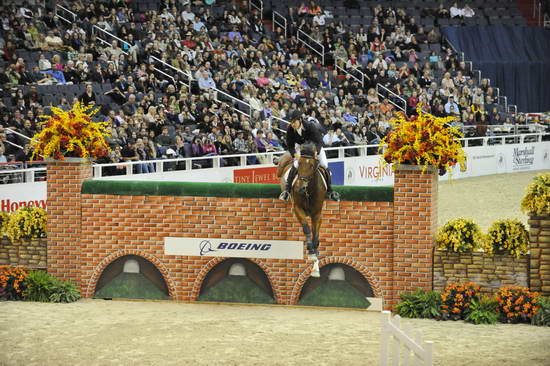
{"x":307,"y":197}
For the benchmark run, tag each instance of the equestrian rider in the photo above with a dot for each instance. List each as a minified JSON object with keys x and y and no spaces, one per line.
{"x":303,"y":132}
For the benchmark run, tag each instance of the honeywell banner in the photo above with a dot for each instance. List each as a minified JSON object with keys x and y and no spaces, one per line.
{"x":235,"y":248}
{"x":14,"y":196}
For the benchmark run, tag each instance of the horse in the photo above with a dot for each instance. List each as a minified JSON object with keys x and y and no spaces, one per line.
{"x":307,"y":197}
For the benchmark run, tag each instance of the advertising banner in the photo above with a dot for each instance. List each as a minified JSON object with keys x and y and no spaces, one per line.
{"x":14,"y":196}
{"x":234,"y":248}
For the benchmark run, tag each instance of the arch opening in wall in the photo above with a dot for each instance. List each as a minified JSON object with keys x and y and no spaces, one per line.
{"x":131,"y":277}
{"x":339,"y":285}
{"x":237,"y":280}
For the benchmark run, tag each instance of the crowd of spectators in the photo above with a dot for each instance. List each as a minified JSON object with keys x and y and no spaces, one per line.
{"x":231,"y":56}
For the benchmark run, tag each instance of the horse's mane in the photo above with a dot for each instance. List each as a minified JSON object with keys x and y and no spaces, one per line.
{"x":308,"y":150}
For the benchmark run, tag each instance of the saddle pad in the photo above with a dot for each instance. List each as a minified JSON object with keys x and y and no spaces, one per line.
{"x":295,"y":178}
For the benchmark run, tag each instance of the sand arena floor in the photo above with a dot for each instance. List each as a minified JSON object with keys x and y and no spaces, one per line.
{"x":98,"y":332}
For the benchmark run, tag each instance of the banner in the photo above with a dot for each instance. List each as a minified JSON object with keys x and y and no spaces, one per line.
{"x":367,"y":171}
{"x":234,"y":248}
{"x":14,"y":196}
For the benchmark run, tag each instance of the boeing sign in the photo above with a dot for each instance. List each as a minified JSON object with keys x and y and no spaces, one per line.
{"x":236,"y":248}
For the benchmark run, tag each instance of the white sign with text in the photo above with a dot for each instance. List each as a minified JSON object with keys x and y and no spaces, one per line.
{"x":234,"y":248}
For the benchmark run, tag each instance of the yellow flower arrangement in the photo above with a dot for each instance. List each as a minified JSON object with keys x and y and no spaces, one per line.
{"x":71,"y":133}
{"x":4,"y":217}
{"x":537,"y":199}
{"x":459,"y":235}
{"x":28,"y":223}
{"x":507,"y":236}
{"x":423,"y":140}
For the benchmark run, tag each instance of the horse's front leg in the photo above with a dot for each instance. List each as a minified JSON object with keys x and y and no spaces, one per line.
{"x":316,"y":224}
{"x":302,"y":219}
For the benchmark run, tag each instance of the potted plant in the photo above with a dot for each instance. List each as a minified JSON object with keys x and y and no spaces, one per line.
{"x":423,"y":140}
{"x":71,"y":133}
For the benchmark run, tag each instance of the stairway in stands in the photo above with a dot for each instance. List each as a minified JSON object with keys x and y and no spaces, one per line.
{"x":526,"y":8}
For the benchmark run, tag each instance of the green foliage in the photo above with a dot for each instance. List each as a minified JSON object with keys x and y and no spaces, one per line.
{"x":483,"y":311}
{"x":40,"y":286}
{"x":420,"y":304}
{"x":542,"y":316}
{"x":65,"y":291}
{"x":45,"y":288}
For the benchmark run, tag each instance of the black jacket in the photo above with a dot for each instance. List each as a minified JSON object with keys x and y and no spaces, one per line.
{"x":310,"y":133}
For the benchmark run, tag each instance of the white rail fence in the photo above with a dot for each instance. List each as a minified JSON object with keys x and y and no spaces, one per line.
{"x":399,"y":342}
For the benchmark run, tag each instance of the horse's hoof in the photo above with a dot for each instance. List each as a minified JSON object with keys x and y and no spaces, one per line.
{"x":315,"y":274}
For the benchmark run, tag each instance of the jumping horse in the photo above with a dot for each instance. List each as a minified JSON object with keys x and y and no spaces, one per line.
{"x":307,"y":197}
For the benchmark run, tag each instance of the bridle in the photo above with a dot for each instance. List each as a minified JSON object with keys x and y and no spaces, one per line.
{"x":307,"y":179}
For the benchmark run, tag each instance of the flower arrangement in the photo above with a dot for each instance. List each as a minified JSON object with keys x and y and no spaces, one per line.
{"x":71,"y":133}
{"x":12,"y":282}
{"x":537,"y":199}
{"x":507,"y":236}
{"x":4,"y":217}
{"x":423,"y":140}
{"x":28,"y":223}
{"x":516,"y":304}
{"x":456,"y":300}
{"x":459,"y":235}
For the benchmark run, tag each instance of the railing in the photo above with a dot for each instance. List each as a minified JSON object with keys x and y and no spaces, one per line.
{"x":278,"y":20}
{"x":546,"y":21}
{"x":257,"y":4}
{"x":360,"y":79}
{"x":394,"y":335}
{"x":505,"y":102}
{"x":188,"y":76}
{"x":537,"y":11}
{"x":196,"y":163}
{"x":305,"y":38}
{"x":514,"y":107}
{"x":19,"y":172}
{"x":394,"y":95}
{"x":66,"y":12}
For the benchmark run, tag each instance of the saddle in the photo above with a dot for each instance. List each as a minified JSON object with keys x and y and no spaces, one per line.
{"x":286,"y":162}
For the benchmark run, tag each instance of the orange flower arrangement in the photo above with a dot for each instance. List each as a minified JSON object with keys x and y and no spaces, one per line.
{"x":457,"y":299}
{"x":71,"y":133}
{"x":12,"y":282}
{"x":516,"y":304}
{"x":423,"y":140}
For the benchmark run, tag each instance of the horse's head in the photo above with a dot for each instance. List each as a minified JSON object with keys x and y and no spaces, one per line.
{"x":307,"y":166}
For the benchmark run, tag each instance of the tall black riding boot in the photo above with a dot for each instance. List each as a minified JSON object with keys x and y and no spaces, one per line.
{"x":331,"y":195}
{"x":285,"y":195}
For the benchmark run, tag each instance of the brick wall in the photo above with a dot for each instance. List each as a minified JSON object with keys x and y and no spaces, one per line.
{"x":23,"y":253}
{"x":389,"y":243}
{"x":489,"y":272}
{"x":64,"y":216}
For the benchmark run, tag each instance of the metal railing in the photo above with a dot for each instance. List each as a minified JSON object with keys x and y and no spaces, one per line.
{"x":305,"y":38}
{"x":277,"y":19}
{"x":537,"y":11}
{"x":514,"y":107}
{"x":360,"y":78}
{"x":66,"y":12}
{"x":256,"y":4}
{"x":394,"y":95}
{"x":196,"y":163}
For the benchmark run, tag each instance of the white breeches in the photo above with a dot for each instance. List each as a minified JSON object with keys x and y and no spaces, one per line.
{"x":322,"y":157}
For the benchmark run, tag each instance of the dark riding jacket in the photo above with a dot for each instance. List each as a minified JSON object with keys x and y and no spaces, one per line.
{"x":310,"y":133}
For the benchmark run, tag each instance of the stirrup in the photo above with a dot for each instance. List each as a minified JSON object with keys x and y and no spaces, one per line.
{"x":284,"y":196}
{"x":333,"y":196}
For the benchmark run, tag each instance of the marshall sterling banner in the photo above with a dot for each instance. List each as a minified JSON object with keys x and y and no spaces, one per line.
{"x":236,"y":248}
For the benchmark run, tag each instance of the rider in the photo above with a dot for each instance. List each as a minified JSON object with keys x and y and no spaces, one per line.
{"x":301,"y":132}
